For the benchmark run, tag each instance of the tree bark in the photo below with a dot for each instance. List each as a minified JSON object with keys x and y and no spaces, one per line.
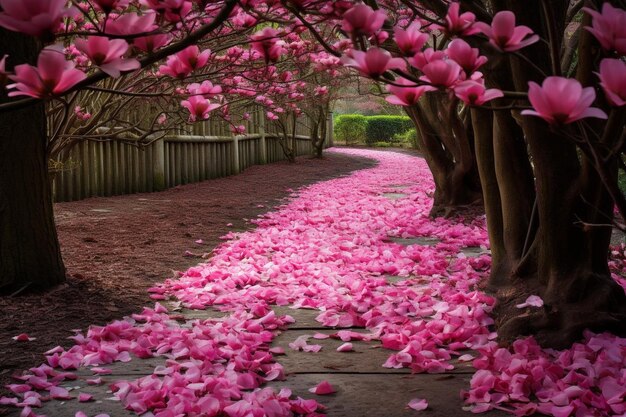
{"x":454,"y":170}
{"x":568,"y":264}
{"x":30,"y":257}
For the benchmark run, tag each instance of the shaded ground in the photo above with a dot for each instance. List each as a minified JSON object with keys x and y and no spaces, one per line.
{"x":117,"y":247}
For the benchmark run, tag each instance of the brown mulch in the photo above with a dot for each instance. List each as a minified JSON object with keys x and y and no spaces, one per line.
{"x":117,"y":247}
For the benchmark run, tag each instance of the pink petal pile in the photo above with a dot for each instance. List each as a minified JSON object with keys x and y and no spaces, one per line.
{"x":329,"y":249}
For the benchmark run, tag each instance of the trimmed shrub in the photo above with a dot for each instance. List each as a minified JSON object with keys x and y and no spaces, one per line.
{"x":350,"y":128}
{"x":381,"y":145}
{"x":409,"y":138}
{"x":384,"y":128}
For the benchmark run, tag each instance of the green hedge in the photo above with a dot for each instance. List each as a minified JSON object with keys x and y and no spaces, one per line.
{"x":350,"y":128}
{"x":356,"y":128}
{"x":409,"y":137}
{"x":385,"y":128}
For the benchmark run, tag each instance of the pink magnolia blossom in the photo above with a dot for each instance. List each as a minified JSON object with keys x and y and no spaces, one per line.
{"x":441,"y":73}
{"x":52,"y":76}
{"x":107,"y":54}
{"x":421,"y":59}
{"x":33,"y":17}
{"x":609,"y":27}
{"x":244,"y":20}
{"x":373,"y":63}
{"x":504,"y":35}
{"x":475,"y":93}
{"x":267,"y":44}
{"x":131,"y":24}
{"x":459,"y":24}
{"x":206,"y":89}
{"x":562,"y":100}
{"x":320,"y":90}
{"x":361,"y":19}
{"x":238,"y":130}
{"x":406,"y":93}
{"x":185,"y":62}
{"x":193,"y":58}
{"x":323,"y":388}
{"x":466,"y":56}
{"x":81,"y":114}
{"x":613,"y":80}
{"x":175,"y":68}
{"x":199,"y":107}
{"x":410,"y":40}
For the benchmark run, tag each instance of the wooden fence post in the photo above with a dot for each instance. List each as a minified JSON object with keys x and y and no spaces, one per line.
{"x":262,"y":139}
{"x":236,"y":167}
{"x":158,"y":165}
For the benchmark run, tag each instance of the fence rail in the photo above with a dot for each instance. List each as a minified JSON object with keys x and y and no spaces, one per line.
{"x":109,"y":168}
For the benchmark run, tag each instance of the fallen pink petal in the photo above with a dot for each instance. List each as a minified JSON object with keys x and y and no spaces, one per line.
{"x":323,"y":388}
{"x":83,"y":398}
{"x":346,"y":347}
{"x":531,"y":301}
{"x":23,"y":337}
{"x":418,"y":404}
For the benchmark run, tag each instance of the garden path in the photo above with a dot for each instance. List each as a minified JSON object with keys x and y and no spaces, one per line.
{"x":345,"y":290}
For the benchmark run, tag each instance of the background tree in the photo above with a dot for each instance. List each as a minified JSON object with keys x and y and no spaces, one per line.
{"x":86,"y":48}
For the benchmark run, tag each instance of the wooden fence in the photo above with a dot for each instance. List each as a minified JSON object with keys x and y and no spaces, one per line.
{"x":106,"y":168}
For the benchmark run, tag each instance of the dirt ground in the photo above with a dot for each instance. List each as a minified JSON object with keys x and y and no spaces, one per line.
{"x":115,"y":248}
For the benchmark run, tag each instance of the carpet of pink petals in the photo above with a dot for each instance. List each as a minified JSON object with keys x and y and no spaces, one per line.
{"x":328,"y":249}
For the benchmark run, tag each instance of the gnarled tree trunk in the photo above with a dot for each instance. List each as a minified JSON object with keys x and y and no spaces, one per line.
{"x":546,"y":237}
{"x":30,"y":257}
{"x":449,"y":152}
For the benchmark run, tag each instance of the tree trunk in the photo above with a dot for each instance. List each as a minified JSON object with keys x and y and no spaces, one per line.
{"x":30,"y":256}
{"x":457,"y":184}
{"x":318,"y":131}
{"x":563,"y":255}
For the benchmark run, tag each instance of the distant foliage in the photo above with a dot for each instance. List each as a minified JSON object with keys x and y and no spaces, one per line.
{"x":385,"y":128}
{"x":408,"y":138}
{"x":356,"y":128}
{"x":350,"y":128}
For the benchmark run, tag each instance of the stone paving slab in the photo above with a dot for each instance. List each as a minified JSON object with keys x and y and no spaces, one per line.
{"x":409,"y":280}
{"x":474,"y":251}
{"x":122,"y":370}
{"x":367,"y":357}
{"x":305,"y":317}
{"x":386,"y":395}
{"x":420,"y":240}
{"x":395,"y":196}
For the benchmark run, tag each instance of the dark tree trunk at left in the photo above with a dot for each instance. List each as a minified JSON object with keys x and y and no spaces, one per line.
{"x":29,"y":249}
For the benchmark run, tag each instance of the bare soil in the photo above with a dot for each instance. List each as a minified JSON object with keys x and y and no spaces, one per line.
{"x":117,"y":247}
